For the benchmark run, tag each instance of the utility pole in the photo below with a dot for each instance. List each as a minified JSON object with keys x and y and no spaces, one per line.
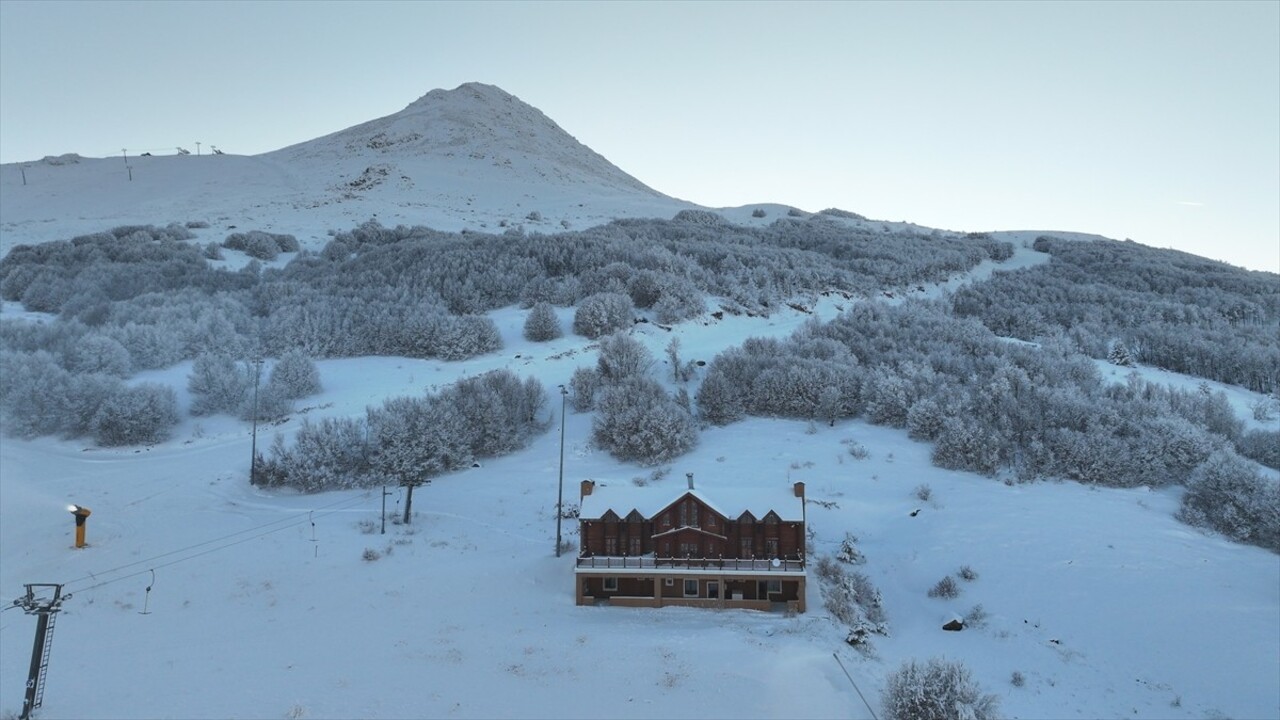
{"x":560,"y":495}
{"x":45,"y":609}
{"x":197,"y":148}
{"x":253,"y":451}
{"x":408,"y":501}
{"x":384,"y":509}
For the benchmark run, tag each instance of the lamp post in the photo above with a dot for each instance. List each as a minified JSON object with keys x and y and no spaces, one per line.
{"x":560,"y":495}
{"x":253,"y":450}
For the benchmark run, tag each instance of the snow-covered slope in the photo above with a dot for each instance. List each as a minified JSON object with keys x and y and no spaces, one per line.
{"x":474,"y":157}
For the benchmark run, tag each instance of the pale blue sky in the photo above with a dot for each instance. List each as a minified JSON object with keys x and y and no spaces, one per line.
{"x":1158,"y":122}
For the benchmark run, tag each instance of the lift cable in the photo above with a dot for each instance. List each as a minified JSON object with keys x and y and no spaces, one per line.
{"x":219,"y":544}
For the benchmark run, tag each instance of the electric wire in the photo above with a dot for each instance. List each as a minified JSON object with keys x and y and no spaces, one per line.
{"x":290,"y":521}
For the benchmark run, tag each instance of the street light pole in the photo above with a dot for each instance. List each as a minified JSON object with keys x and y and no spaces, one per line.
{"x":253,"y":452}
{"x":560,"y":496}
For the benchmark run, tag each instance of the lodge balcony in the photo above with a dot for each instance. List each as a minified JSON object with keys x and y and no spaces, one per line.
{"x":647,"y":562}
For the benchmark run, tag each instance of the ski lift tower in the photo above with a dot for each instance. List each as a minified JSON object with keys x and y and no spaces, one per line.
{"x":45,"y":607}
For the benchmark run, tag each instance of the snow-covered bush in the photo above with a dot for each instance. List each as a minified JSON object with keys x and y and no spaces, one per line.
{"x":136,"y":415}
{"x":1228,"y":495}
{"x":100,"y":354}
{"x":1262,"y":446}
{"x":218,"y":385}
{"x":601,"y":314}
{"x":261,"y":245}
{"x":946,"y":588}
{"x":758,"y":213}
{"x":937,"y":690}
{"x":849,"y":552}
{"x":294,"y":375}
{"x":541,"y":325}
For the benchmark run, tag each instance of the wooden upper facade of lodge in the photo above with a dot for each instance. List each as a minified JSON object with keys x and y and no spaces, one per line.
{"x":652,"y":547}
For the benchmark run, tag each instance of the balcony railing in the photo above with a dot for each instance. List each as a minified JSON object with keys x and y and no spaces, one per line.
{"x":644,"y":562}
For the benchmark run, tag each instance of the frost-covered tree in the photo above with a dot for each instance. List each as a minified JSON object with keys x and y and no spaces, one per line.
{"x":638,"y":421}
{"x":541,"y":325}
{"x":217,"y":385}
{"x":294,"y":375}
{"x":584,"y":384}
{"x":1227,"y":494}
{"x":621,"y":358}
{"x":601,"y":314}
{"x":136,"y":415}
{"x":937,"y":690}
{"x":100,"y":354}
{"x":1120,"y":355}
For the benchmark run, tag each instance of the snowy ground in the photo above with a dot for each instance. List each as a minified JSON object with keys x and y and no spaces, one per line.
{"x":1107,"y":605}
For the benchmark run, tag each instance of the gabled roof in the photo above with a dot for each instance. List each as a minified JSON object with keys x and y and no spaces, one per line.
{"x":622,"y":497}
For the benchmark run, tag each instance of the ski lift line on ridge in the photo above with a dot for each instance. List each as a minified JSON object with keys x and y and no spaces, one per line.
{"x":292,"y":521}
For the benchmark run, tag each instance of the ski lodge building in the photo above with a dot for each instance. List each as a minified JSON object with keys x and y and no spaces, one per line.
{"x":650,"y":547}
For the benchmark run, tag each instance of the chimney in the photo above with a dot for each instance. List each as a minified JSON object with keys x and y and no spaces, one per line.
{"x":799,"y":487}
{"x":587,"y":487}
{"x":689,"y":477}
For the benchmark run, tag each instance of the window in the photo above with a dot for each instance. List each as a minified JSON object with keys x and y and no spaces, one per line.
{"x":691,"y":588}
{"x":666,"y":519}
{"x":771,"y":519}
{"x":684,"y":514}
{"x":746,"y":550}
{"x":666,"y":549}
{"x":771,"y":547}
{"x":611,"y":546}
{"x":688,"y":549}
{"x":635,"y":546}
{"x":611,"y":584}
{"x":775,"y":586}
{"x":713,"y":589}
{"x":693,"y":514}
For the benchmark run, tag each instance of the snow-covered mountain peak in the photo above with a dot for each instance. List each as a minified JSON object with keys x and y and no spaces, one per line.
{"x":474,"y":130}
{"x":473,"y":157}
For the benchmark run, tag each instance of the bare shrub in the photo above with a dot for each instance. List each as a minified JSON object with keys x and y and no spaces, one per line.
{"x":923,"y":492}
{"x":1017,"y":679}
{"x":967,"y":573}
{"x":371,"y":555}
{"x":946,"y":588}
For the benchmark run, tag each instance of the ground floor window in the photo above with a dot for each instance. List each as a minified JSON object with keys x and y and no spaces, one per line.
{"x":691,"y":588}
{"x":775,"y":586}
{"x":611,"y":584}
{"x":713,"y":589}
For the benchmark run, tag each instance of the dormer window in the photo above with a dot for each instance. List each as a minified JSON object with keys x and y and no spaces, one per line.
{"x":771,"y":518}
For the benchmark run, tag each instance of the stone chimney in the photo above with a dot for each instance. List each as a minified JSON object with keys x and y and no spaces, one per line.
{"x":689,"y":477}
{"x":587,"y":487}
{"x":799,"y":488}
